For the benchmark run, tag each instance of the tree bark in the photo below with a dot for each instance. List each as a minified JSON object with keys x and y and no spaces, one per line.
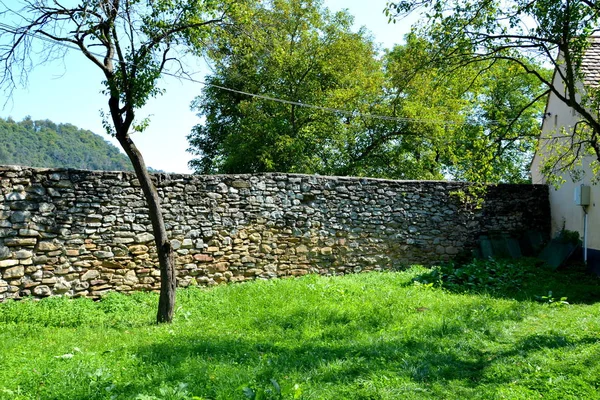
{"x":166,"y":259}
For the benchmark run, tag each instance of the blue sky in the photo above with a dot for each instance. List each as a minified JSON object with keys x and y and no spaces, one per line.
{"x":69,"y":91}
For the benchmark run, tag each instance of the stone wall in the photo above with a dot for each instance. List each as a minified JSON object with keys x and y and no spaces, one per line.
{"x":83,"y":233}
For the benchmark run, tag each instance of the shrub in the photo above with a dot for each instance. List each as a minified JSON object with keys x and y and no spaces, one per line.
{"x":480,"y":275}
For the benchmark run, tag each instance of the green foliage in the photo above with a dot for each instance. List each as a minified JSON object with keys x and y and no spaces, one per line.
{"x":46,"y":144}
{"x":297,"y":51}
{"x":364,"y":336}
{"x":469,"y":123}
{"x":481,"y":275}
{"x":515,"y":33}
{"x":551,"y":300}
{"x":567,"y":236}
{"x":436,"y":123}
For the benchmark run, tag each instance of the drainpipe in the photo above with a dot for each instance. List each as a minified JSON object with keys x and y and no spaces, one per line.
{"x":582,"y":198}
{"x":585,"y":233}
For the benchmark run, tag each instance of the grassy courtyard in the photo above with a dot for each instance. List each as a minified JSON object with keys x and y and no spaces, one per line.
{"x":400,"y":335}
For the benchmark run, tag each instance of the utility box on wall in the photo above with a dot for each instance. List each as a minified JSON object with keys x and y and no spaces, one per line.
{"x":582,"y":195}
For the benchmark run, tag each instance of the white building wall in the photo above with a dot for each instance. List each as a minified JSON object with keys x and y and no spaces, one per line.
{"x":565,"y":213}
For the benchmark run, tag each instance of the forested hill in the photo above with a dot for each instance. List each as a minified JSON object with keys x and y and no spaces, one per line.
{"x":46,"y":144}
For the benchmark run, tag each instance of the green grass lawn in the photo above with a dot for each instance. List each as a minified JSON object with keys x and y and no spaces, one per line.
{"x":367,"y":336}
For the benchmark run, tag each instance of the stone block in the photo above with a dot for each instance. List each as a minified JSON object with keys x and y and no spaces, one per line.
{"x":20,"y":216}
{"x":62,"y":286}
{"x":144,"y":237}
{"x":28,"y":233}
{"x":138,"y":249}
{"x":23,"y":242}
{"x":46,"y":245}
{"x":203,"y":258}
{"x":13,"y":272}
{"x":14,"y":196}
{"x":42,"y":291}
{"x":4,"y":252}
{"x":23,"y":254}
{"x":90,"y":275}
{"x":103,"y":254}
{"x":79,"y":286}
{"x":8,"y":263}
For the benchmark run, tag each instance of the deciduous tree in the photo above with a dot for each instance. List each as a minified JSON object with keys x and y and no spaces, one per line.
{"x":131,"y":42}
{"x":297,"y":51}
{"x":432,"y":122}
{"x":553,"y":33}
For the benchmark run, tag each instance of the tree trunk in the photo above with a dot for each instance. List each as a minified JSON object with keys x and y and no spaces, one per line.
{"x":166,"y":302}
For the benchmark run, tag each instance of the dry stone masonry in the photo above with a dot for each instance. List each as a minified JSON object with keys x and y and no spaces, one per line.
{"x":83,"y":233}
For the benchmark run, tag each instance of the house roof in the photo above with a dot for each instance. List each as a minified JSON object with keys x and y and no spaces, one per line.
{"x":590,"y":63}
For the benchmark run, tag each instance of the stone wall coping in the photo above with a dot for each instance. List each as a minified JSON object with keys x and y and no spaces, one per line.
{"x":175,"y":175}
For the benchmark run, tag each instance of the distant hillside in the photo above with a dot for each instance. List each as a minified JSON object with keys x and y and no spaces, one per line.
{"x":46,"y":144}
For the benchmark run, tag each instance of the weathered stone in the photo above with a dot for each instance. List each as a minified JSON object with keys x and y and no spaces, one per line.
{"x":40,"y":259}
{"x":301,"y":249}
{"x":14,"y":242}
{"x":451,"y":250}
{"x":122,"y":240}
{"x":47,"y":207}
{"x":138,"y":249}
{"x":79,"y":286}
{"x":240,"y":184}
{"x":23,"y":254}
{"x":144,"y":237}
{"x":15,"y":196}
{"x":45,"y":245}
{"x":90,"y":275}
{"x":111,"y":265}
{"x":326,"y":251}
{"x":4,"y":252}
{"x":20,"y":216}
{"x":103,"y":254}
{"x":203,"y":257}
{"x":13,"y":272}
{"x":28,"y":233}
{"x":24,"y":205}
{"x":42,"y":291}
{"x":53,"y":192}
{"x":62,"y":286}
{"x":8,"y":263}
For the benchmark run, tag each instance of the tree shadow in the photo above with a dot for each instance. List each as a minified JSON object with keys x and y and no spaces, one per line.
{"x":439,"y":356}
{"x":534,"y":283}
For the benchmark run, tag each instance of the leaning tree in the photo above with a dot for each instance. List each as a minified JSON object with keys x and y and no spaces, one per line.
{"x":132,"y":42}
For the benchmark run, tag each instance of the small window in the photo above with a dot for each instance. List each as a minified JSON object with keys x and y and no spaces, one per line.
{"x":555,"y":120}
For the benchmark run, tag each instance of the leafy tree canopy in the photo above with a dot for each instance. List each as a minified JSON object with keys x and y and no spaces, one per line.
{"x":293,"y":50}
{"x":526,"y":35}
{"x":438,"y":121}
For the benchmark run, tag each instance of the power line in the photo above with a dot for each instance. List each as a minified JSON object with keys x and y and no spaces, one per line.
{"x":14,"y":30}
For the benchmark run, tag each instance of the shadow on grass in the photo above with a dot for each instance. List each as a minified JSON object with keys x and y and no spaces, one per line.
{"x":258,"y":362}
{"x":221,"y":365}
{"x":518,"y":280}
